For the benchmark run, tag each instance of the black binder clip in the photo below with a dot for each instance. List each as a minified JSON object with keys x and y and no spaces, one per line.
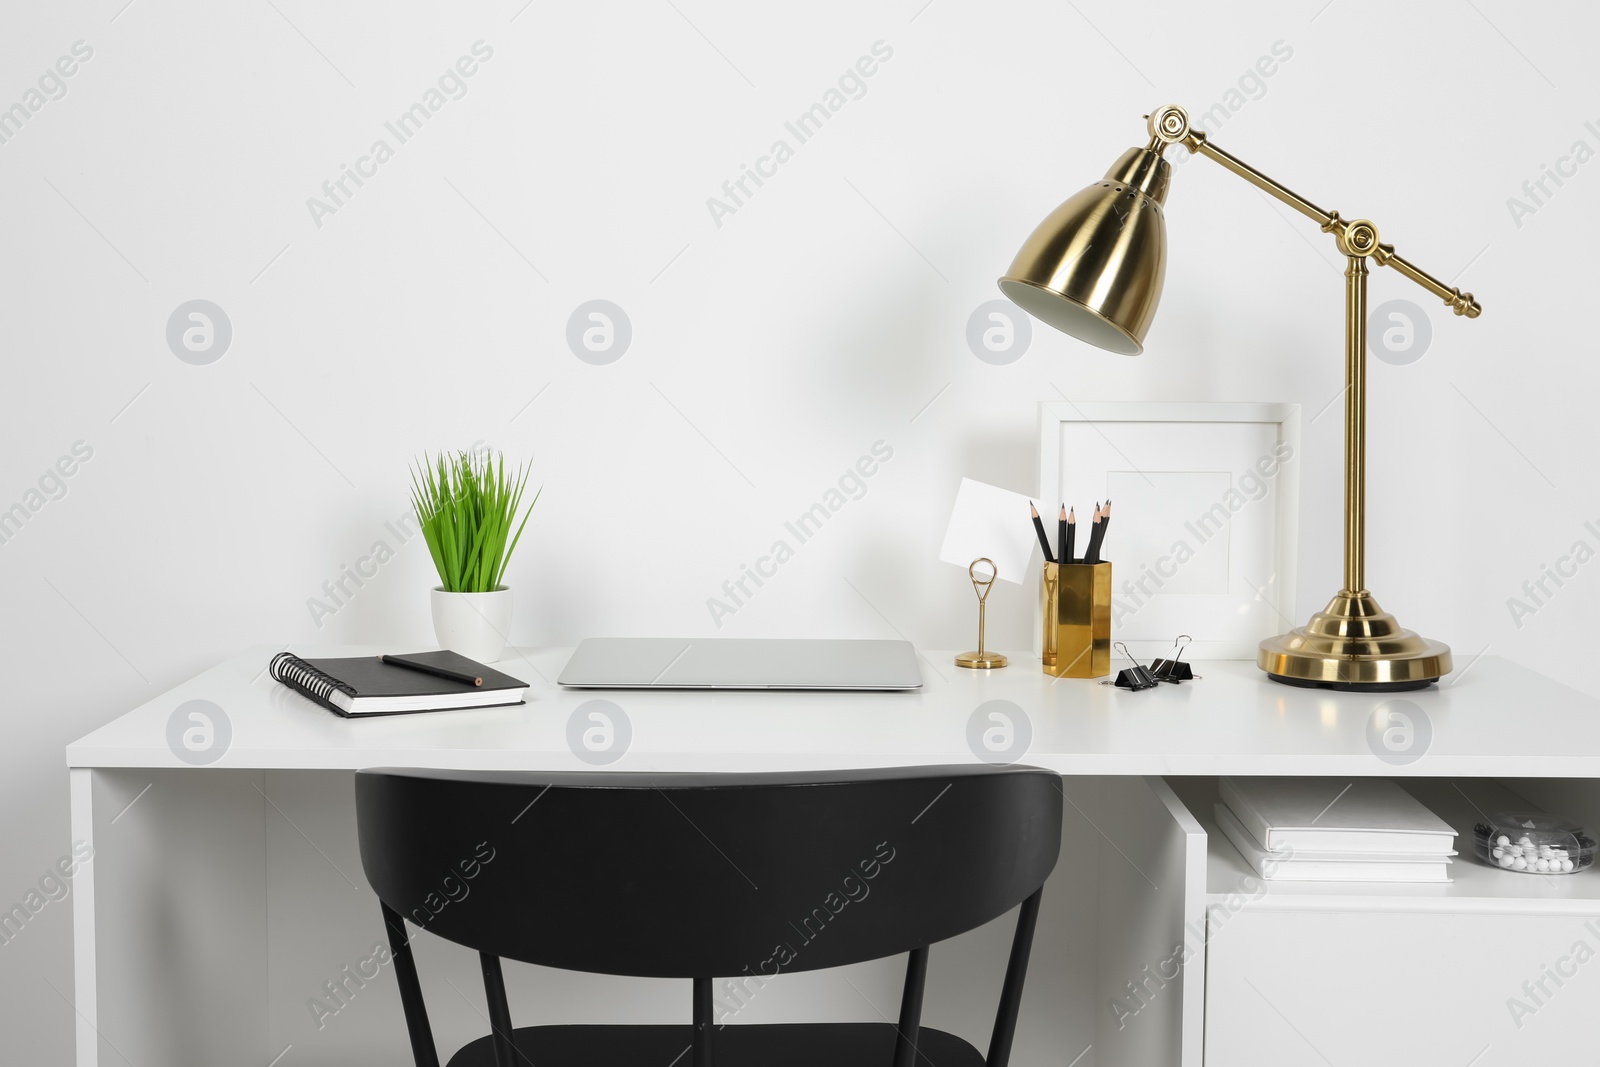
{"x":1174,"y":670}
{"x":1135,"y":677}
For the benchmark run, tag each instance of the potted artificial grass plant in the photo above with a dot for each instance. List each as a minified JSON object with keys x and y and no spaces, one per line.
{"x":466,"y":506}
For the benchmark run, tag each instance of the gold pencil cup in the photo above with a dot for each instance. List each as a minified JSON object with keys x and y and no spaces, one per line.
{"x":1077,"y":620}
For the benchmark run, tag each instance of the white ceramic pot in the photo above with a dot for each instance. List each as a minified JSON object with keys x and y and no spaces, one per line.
{"x":477,"y":625}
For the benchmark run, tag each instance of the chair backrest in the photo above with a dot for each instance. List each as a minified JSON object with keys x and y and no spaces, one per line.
{"x":706,"y":875}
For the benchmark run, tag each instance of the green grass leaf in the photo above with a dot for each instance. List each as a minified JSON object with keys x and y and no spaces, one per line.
{"x":466,"y":506}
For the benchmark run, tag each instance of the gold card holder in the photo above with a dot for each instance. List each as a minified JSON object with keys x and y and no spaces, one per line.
{"x":1077,"y":620}
{"x":982,"y":659}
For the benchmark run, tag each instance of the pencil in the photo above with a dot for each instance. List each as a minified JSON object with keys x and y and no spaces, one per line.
{"x":1062,"y":556}
{"x":428,"y":668}
{"x":1038,"y":528}
{"x":1105,"y":524}
{"x":1092,"y":554}
{"x":1072,"y":535}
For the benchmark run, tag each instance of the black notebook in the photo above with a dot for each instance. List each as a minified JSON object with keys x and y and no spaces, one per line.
{"x":365,"y":685}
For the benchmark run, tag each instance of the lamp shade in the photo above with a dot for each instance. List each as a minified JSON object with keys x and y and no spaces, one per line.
{"x":1094,"y":267}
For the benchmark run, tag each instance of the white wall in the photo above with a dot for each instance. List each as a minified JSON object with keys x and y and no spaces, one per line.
{"x":768,"y":353}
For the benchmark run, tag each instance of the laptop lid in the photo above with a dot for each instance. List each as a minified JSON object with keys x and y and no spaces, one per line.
{"x":741,"y":663}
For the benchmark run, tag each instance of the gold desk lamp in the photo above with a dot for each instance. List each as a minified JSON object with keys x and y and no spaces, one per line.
{"x":1093,"y":269}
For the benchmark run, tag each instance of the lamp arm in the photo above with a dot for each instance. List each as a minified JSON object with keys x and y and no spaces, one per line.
{"x":1357,"y":237}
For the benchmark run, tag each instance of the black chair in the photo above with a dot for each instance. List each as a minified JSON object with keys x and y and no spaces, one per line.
{"x":736,"y":877}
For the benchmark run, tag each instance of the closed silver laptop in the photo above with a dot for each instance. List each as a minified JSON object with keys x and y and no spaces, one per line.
{"x":741,"y":663}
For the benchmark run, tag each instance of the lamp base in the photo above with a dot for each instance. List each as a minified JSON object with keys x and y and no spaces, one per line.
{"x":981,"y":661}
{"x":1354,"y":645}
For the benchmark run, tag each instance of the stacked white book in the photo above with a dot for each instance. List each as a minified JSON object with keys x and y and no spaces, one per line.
{"x":1334,"y":830}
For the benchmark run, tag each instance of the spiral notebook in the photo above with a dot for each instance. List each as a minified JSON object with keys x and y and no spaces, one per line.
{"x":356,"y":686}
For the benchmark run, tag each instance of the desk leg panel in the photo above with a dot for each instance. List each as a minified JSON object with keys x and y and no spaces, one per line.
{"x":170,"y":918}
{"x":85,"y":1003}
{"x":1150,"y":855}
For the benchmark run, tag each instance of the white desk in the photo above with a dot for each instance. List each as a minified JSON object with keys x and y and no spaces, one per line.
{"x":217,"y":890}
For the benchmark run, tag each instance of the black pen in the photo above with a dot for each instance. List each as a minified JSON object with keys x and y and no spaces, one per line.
{"x":428,"y":668}
{"x":1038,"y":528}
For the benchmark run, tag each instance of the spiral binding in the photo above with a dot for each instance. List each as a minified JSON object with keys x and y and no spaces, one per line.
{"x":296,"y":673}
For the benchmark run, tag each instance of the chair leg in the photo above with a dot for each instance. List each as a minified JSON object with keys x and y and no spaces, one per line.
{"x":494,"y":992}
{"x":405,"y":971}
{"x":905,"y":1044}
{"x":703,"y":1021}
{"x":1005,"y":1021}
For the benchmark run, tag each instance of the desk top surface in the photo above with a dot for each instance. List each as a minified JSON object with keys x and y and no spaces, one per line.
{"x":1490,"y":718}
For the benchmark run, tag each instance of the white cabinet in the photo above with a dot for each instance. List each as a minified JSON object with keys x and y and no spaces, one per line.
{"x":1493,"y":968}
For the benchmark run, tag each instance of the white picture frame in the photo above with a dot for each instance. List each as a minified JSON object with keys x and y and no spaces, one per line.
{"x":1194,"y":462}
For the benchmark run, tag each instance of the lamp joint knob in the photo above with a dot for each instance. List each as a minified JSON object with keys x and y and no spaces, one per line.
{"x":1169,"y":124}
{"x":1357,"y":237}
